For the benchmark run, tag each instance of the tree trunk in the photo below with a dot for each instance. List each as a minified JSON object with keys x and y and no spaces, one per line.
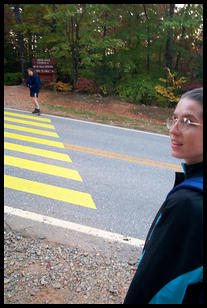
{"x":75,"y":49}
{"x":179,"y":53}
{"x":104,"y":49}
{"x":73,"y":54}
{"x":29,"y":48}
{"x":168,"y":57}
{"x":181,"y":39}
{"x":53,"y":25}
{"x":20,"y":39}
{"x":148,"y":39}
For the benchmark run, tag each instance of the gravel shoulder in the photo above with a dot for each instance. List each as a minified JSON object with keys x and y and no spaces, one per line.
{"x":38,"y":271}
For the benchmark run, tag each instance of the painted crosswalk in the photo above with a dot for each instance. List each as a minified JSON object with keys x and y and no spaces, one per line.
{"x":34,"y":140}
{"x":42,"y":167}
{"x":29,"y":122}
{"x":29,"y":146}
{"x":49,"y":191}
{"x":19,"y":115}
{"x":31,"y":130}
{"x":35,"y":151}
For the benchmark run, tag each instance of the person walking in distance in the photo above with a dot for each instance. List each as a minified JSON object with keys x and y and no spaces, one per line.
{"x":33,"y":83}
{"x":170,"y":270}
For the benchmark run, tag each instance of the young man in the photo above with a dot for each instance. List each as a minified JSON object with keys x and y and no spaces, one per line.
{"x":33,"y":82}
{"x":170,"y":270}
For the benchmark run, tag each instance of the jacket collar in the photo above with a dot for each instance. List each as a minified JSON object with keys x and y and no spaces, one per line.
{"x":195,"y":170}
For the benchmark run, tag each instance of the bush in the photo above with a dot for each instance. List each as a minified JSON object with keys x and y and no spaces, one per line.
{"x":172,"y":91}
{"x":86,"y":85}
{"x":61,"y":86}
{"x":12,"y":79}
{"x":137,"y":88}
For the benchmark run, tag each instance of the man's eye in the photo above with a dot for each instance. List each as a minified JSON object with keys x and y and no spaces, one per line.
{"x":187,"y":121}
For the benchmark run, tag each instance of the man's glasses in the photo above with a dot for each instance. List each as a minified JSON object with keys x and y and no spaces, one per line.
{"x":183,"y":123}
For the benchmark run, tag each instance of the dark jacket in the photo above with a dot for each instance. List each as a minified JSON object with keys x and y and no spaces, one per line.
{"x":33,"y":82}
{"x":173,"y":249}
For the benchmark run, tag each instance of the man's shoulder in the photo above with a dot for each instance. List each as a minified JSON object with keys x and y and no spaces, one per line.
{"x":185,"y":201}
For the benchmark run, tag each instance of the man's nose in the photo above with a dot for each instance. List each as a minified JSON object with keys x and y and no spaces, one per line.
{"x":175,"y":128}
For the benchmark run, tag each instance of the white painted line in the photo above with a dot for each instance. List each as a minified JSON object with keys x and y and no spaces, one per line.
{"x":94,"y":123}
{"x":115,"y":237}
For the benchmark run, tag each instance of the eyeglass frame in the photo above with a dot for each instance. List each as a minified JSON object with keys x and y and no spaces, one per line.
{"x":185,"y":125}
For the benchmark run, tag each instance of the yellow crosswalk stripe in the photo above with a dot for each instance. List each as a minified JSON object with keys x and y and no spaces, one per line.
{"x":31,"y":130}
{"x":36,"y":151}
{"x":34,"y":139}
{"x":27,"y":116}
{"x":28,"y":122}
{"x":49,"y":191}
{"x":42,"y":167}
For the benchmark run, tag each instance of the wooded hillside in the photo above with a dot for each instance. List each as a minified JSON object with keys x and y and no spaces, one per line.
{"x":113,"y":49}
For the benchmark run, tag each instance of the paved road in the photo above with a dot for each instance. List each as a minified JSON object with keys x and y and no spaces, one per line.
{"x":95,"y":175}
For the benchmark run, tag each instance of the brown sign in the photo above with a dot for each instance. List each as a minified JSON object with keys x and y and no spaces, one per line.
{"x":45,"y":71}
{"x":43,"y":61}
{"x":44,"y":66}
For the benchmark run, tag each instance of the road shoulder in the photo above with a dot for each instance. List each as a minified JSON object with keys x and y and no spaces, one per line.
{"x":39,"y":269}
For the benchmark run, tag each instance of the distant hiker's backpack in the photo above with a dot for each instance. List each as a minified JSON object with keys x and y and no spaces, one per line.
{"x":40,"y":82}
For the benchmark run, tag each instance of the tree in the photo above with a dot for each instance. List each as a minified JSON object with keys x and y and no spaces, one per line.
{"x":11,"y":60}
{"x":75,"y":24}
{"x":124,"y":48}
{"x":148,"y":38}
{"x":17,"y":9}
{"x":67,"y":35}
{"x":168,"y":55}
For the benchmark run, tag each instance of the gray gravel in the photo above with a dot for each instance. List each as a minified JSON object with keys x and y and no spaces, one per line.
{"x":37,"y":271}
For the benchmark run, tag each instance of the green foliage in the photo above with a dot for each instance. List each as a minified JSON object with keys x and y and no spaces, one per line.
{"x":138,"y":88}
{"x":106,"y":77}
{"x":120,"y":46}
{"x":12,"y":79}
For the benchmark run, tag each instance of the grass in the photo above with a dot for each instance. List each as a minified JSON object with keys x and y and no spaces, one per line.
{"x":108,"y":118}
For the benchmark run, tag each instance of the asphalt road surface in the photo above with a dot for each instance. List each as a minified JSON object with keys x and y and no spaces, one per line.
{"x":101,"y":177}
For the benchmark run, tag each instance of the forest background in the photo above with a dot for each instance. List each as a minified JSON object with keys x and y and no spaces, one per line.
{"x":144,"y":53}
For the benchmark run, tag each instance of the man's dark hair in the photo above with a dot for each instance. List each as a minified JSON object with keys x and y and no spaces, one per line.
{"x":195,"y":94}
{"x":30,"y":69}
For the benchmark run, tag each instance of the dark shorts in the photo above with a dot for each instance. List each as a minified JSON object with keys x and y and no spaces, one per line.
{"x":34,"y":93}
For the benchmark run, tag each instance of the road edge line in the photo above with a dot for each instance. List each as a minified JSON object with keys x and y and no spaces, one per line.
{"x":115,"y":237}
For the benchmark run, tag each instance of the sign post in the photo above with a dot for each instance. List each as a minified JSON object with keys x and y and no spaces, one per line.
{"x":54,"y":82}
